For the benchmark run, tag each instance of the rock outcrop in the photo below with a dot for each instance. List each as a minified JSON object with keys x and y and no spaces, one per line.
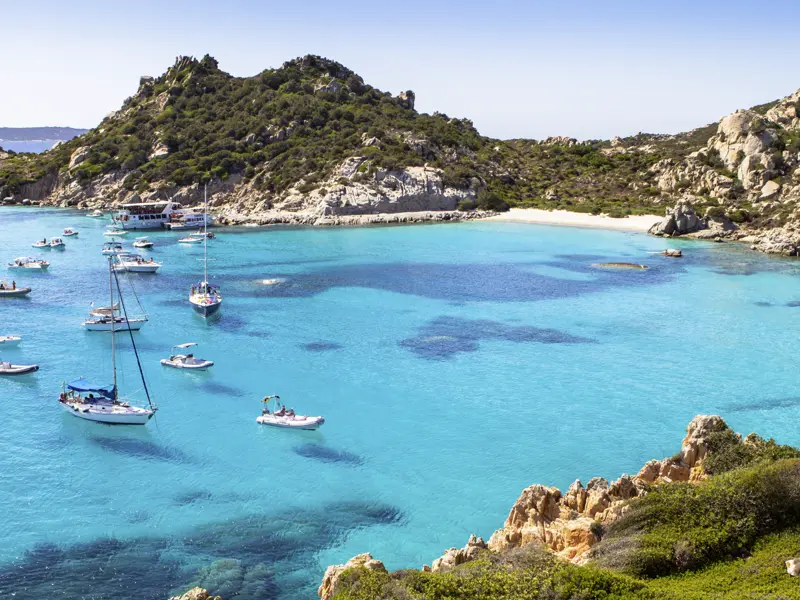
{"x":458,"y":556}
{"x":679,"y":220}
{"x":330,"y":580}
{"x":197,"y":593}
{"x":793,"y":567}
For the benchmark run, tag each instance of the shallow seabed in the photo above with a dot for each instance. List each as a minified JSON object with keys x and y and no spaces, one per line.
{"x":454,"y":364}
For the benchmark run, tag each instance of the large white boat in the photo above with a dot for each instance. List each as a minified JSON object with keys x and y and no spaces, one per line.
{"x":164,"y":214}
{"x":205,"y":298}
{"x":26,"y":262}
{"x":106,"y":406}
{"x":133,"y":263}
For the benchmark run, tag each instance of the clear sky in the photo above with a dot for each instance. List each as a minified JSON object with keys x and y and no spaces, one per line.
{"x":587,"y":69}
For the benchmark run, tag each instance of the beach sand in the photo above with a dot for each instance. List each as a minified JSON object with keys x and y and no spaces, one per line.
{"x":575,"y":219}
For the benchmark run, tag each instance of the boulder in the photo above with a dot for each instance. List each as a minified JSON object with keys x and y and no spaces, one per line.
{"x":678,"y":221}
{"x":671,"y":252}
{"x":78,"y":156}
{"x":458,"y":556}
{"x":793,"y":567}
{"x":770,"y":190}
{"x":330,"y":580}
{"x":197,"y":593}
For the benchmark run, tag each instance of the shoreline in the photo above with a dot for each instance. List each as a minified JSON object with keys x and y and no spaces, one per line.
{"x":565,"y":218}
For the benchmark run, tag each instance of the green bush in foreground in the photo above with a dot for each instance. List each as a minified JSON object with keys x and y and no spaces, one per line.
{"x":684,"y":526}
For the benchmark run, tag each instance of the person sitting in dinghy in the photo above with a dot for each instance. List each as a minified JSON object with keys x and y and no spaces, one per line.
{"x":281,"y":412}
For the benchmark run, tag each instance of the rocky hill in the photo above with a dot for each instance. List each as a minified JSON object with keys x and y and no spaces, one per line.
{"x":719,"y":520}
{"x":312,"y":140}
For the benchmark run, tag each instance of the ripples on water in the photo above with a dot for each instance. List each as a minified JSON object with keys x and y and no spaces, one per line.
{"x":454,"y":365}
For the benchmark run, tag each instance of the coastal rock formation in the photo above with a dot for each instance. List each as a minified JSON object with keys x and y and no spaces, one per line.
{"x":568,"y":523}
{"x":679,"y":220}
{"x":671,"y":252}
{"x":197,"y":593}
{"x":330,"y":580}
{"x":793,"y":567}
{"x":457,"y":556}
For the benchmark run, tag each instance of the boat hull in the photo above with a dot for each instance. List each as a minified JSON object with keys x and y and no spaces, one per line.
{"x":28,"y":268}
{"x":132,"y":325}
{"x":136,"y":268}
{"x":109,"y":416}
{"x":205,"y":310}
{"x":18,"y":293}
{"x":18,"y":369}
{"x":298,"y":422}
{"x":200,"y":366}
{"x":10,"y":340}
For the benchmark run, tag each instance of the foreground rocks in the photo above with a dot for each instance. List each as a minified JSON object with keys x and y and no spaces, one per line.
{"x":197,"y":593}
{"x":330,"y":580}
{"x":569,"y":524}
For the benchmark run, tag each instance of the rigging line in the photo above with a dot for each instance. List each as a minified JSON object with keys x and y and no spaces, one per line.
{"x":135,"y":295}
{"x":133,"y":342}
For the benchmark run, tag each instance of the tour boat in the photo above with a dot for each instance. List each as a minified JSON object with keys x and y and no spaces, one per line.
{"x":133,"y":263}
{"x":287,"y":420}
{"x":115,"y":231}
{"x":41,"y":244}
{"x":10,"y":340}
{"x":205,"y":298}
{"x":26,"y":262}
{"x":12,"y":291}
{"x":69,"y":231}
{"x":97,"y":214}
{"x":164,"y":214}
{"x":142,"y":242}
{"x":107,"y":406}
{"x":57,"y":242}
{"x":6,"y":368}
{"x":186,"y":361}
{"x":112,"y":248}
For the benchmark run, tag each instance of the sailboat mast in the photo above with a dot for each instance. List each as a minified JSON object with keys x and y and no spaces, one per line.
{"x":113,"y":322}
{"x":205,"y":234}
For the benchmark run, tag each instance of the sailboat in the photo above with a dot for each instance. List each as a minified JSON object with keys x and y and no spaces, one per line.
{"x":102,"y":402}
{"x":204,"y":297}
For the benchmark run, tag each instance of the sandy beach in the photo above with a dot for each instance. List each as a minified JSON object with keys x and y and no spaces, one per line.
{"x":575,"y":219}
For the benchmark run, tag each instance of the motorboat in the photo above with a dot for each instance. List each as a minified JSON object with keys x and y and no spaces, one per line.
{"x":201,"y":234}
{"x":6,"y":368}
{"x":12,"y":291}
{"x":190,"y":239}
{"x":186,"y":361}
{"x":206,"y":299}
{"x":97,"y":214}
{"x":112,"y":248}
{"x":286,"y":418}
{"x":10,"y":340}
{"x":107,"y":406}
{"x":115,"y":231}
{"x":26,"y":262}
{"x":69,"y":232}
{"x":41,"y":244}
{"x":57,"y":242}
{"x":142,"y":242}
{"x":133,"y":263}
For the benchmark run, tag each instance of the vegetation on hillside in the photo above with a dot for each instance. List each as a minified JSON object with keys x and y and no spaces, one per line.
{"x":291,"y":126}
{"x":723,"y":539}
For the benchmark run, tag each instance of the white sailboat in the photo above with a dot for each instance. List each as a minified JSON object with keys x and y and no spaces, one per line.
{"x":205,"y":298}
{"x":106,"y":406}
{"x":109,"y":318}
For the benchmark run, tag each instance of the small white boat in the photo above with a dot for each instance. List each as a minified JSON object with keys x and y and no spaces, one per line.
{"x":186,"y":361}
{"x":190,"y":239}
{"x":12,"y":291}
{"x":10,"y":340}
{"x":142,"y":242}
{"x":41,"y":244}
{"x":287,"y":419}
{"x":133,"y":263}
{"x":107,"y":323}
{"x":115,"y":231}
{"x":6,"y":368}
{"x":69,"y":231}
{"x":56,"y":242}
{"x":97,"y":214}
{"x":112,"y":248}
{"x":26,"y":262}
{"x":203,"y":234}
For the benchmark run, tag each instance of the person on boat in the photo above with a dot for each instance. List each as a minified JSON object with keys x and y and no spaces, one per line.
{"x":2,"y":285}
{"x":290,"y":412}
{"x":281,"y":412}
{"x":13,"y":285}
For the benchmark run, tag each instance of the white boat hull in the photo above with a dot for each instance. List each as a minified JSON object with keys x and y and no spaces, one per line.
{"x":97,"y":325}
{"x":138,"y":268}
{"x":296,"y":422}
{"x":10,"y":369}
{"x":198,"y":365}
{"x":116,"y":232}
{"x":29,"y":267}
{"x":10,"y":340}
{"x":17,"y":293}
{"x":108,"y":413}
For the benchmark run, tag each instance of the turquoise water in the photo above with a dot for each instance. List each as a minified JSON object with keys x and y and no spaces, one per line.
{"x":454,"y":364}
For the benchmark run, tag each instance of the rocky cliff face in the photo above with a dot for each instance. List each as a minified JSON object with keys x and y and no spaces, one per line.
{"x":569,"y":524}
